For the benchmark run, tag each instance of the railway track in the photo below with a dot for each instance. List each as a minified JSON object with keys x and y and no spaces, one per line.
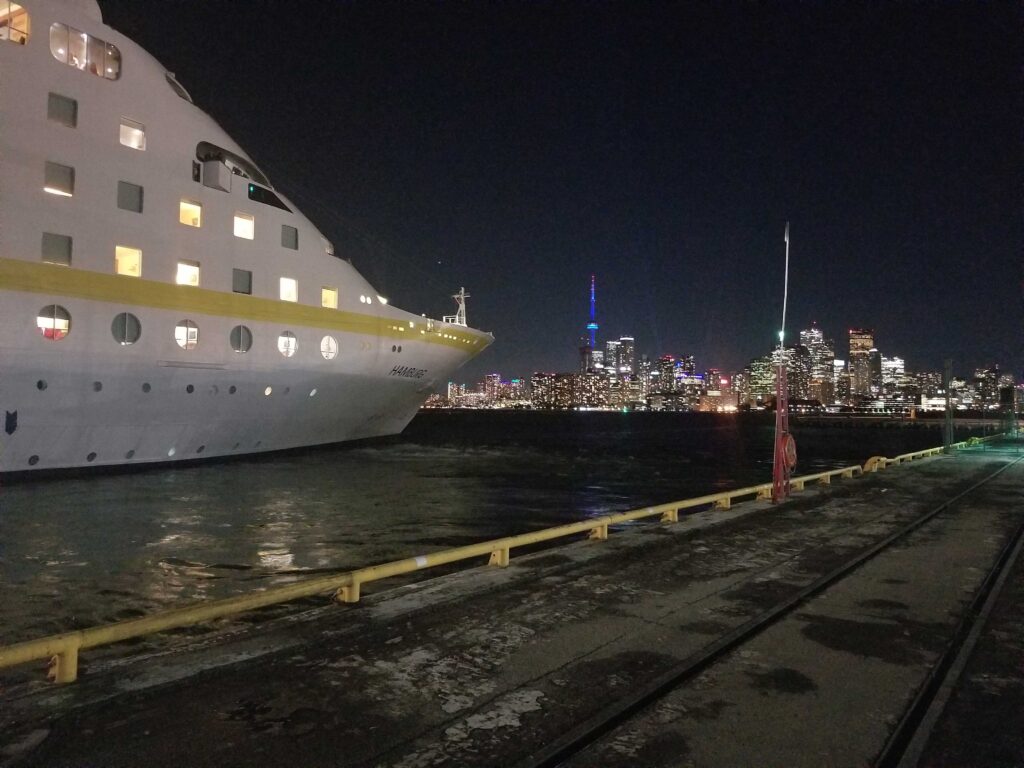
{"x":910,"y":734}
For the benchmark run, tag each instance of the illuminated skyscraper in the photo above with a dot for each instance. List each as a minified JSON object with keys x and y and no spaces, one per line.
{"x":862,"y":341}
{"x":627,"y":356}
{"x":822,"y":377}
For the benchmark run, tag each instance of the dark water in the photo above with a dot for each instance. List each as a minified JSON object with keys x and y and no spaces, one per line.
{"x":80,"y":551}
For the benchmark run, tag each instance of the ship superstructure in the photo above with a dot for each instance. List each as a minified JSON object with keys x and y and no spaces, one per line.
{"x":159,"y":299}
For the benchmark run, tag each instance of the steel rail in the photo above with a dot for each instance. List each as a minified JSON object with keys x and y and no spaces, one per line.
{"x":62,"y":650}
{"x":908,"y":740}
{"x":610,"y":717}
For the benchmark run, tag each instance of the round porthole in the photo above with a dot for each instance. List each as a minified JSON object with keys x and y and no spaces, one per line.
{"x":130,"y":454}
{"x":200,"y":449}
{"x":53,"y":322}
{"x":97,"y":386}
{"x":267,"y":391}
{"x":232,"y":389}
{"x":41,"y":385}
{"x":190,"y":389}
{"x":146,"y":387}
{"x":126,"y":328}
{"x":186,"y":334}
{"x":91,"y":456}
{"x":287,"y":344}
{"x":312,"y":392}
{"x":241,"y":339}
{"x":171,"y":452}
{"x":329,"y":347}
{"x":33,"y":460}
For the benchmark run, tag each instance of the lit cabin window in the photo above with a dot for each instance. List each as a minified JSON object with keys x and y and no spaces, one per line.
{"x":59,"y":179}
{"x":289,"y":289}
{"x":190,"y":214}
{"x":329,"y":347}
{"x":329,"y":298}
{"x":133,"y":134}
{"x":186,"y":334}
{"x":127,"y":261}
{"x":289,"y":237}
{"x":188,"y":273}
{"x":82,"y":51}
{"x":56,"y":249}
{"x":53,"y":322}
{"x":287,"y":344}
{"x":245,"y":226}
{"x":61,"y":109}
{"x":14,"y":23}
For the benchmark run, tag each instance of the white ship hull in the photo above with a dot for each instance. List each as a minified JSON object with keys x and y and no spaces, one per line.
{"x":76,"y":391}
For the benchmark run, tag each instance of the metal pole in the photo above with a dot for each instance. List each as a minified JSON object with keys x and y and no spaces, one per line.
{"x":947,"y":381}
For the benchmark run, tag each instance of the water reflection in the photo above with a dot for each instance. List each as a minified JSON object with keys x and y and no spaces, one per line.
{"x":82,"y":551}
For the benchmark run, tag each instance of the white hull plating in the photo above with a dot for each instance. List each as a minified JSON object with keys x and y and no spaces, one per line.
{"x":122,"y":202}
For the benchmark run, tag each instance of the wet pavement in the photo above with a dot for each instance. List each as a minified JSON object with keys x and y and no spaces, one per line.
{"x":485,"y":666}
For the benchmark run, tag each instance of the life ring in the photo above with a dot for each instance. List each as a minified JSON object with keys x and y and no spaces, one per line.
{"x":789,"y":450}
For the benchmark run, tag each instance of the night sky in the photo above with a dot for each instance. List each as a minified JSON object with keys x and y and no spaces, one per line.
{"x":515,"y":148}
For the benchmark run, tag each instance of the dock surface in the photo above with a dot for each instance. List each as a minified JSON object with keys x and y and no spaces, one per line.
{"x":563,"y":657}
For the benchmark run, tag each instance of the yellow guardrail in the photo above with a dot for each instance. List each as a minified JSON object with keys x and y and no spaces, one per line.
{"x":62,"y":650}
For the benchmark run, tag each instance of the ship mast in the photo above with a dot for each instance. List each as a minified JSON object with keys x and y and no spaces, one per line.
{"x":459,"y":318}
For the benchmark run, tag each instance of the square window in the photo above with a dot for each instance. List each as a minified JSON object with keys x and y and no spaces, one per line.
{"x":190,"y":214}
{"x":289,"y":237}
{"x":127,"y":261}
{"x":289,"y":289}
{"x":59,"y":179}
{"x":188,"y":273}
{"x":56,"y":249}
{"x":241,"y":281}
{"x":129,"y":196}
{"x":329,"y":298}
{"x":62,"y":110}
{"x":133,"y":134}
{"x":245,"y":226}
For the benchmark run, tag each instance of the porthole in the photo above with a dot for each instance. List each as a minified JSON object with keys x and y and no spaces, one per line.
{"x":200,"y":449}
{"x":53,"y":322}
{"x":287,"y":344}
{"x":259,"y":443}
{"x":394,"y":348}
{"x":33,"y":460}
{"x":97,"y":386}
{"x":41,"y":385}
{"x":91,"y":456}
{"x":171,"y":452}
{"x":186,"y":333}
{"x":130,"y":454}
{"x":190,"y":388}
{"x":241,"y":339}
{"x":312,"y":392}
{"x":329,"y":347}
{"x":126,"y":328}
{"x":146,"y":387}
{"x":267,"y":391}
{"x":232,"y":389}
{"x":399,"y":347}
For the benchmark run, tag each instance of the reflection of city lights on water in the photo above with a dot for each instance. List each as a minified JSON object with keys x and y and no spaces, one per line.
{"x":276,"y":559}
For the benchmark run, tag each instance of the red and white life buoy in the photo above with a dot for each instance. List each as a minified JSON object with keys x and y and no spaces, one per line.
{"x":789,"y":450}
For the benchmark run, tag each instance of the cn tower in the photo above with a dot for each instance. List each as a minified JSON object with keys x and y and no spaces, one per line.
{"x":592,"y":325}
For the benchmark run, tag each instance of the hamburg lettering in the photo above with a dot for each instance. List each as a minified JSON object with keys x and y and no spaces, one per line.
{"x":407,"y":372}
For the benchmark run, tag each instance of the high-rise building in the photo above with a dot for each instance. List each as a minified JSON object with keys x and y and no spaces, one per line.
{"x":492,"y":385}
{"x":875,"y":366}
{"x":627,"y":358}
{"x":612,"y":358}
{"x":841,"y":382}
{"x":542,"y":387}
{"x":862,"y":341}
{"x":822,"y":377}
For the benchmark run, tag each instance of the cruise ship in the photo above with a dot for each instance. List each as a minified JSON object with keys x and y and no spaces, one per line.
{"x":160,"y":300}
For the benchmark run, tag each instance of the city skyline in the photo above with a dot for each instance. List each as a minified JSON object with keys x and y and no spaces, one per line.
{"x":518,"y":149}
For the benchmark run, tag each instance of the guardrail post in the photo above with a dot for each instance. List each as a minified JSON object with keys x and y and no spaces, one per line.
{"x":725,"y":503}
{"x":825,"y":480}
{"x":348,"y":594}
{"x":670,"y":516}
{"x":764,"y":493}
{"x":499,"y":557}
{"x":600,"y":533}
{"x":796,"y":485}
{"x":847,"y":473}
{"x":64,"y":666}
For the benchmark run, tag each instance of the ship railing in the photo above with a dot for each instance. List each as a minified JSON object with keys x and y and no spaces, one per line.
{"x":62,"y":650}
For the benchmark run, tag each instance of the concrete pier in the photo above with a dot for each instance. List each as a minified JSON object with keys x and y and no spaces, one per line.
{"x":488,"y":666}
